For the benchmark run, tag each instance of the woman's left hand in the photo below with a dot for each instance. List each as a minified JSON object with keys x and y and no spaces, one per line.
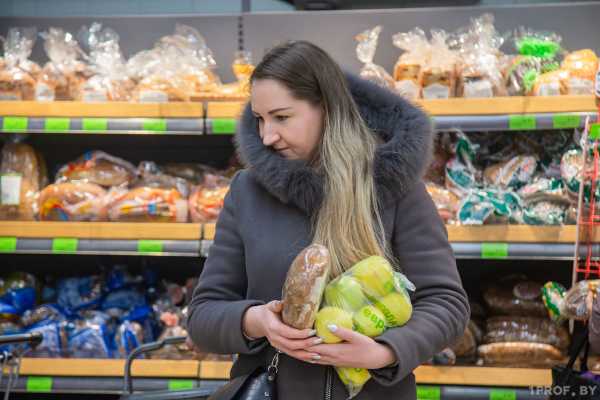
{"x":356,"y":351}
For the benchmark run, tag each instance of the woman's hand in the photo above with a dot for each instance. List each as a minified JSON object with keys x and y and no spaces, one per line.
{"x":356,"y":351}
{"x":265,"y":321}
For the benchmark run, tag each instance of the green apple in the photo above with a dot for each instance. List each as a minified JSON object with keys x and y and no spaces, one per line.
{"x":369,"y":321}
{"x":375,"y":275}
{"x":335,"y":316}
{"x":353,"y":378}
{"x":345,"y":293}
{"x":396,"y":308}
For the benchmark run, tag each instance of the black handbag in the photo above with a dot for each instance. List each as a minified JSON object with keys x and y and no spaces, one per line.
{"x":257,"y":385}
{"x":568,"y":383}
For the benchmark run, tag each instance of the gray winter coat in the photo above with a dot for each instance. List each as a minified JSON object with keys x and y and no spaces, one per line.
{"x":265,"y":223}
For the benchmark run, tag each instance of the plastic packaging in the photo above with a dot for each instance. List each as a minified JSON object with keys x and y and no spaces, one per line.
{"x":365,"y":51}
{"x":206,"y":200}
{"x":513,"y":173}
{"x":17,"y":79}
{"x":447,"y":203}
{"x":100,"y":168}
{"x":581,"y":67}
{"x":148,"y":204}
{"x":515,"y":296}
{"x":87,"y":338}
{"x":520,"y":354}
{"x":407,"y":71}
{"x":304,"y":286}
{"x":129,"y":336}
{"x":17,"y":295}
{"x":370,"y":297}
{"x":461,"y":174}
{"x":526,"y":329}
{"x":79,"y":293}
{"x":562,"y":304}
{"x":150,"y":175}
{"x":438,"y":77}
{"x":73,"y":201}
{"x":172,"y":325}
{"x":489,"y":206}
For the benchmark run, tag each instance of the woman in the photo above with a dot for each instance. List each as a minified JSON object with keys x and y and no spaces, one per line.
{"x":335,"y":160}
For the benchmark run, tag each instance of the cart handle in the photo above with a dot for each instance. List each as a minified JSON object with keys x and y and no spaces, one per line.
{"x":34,"y":338}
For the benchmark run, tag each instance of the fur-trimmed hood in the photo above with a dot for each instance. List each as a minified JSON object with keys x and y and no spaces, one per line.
{"x":400,"y":161}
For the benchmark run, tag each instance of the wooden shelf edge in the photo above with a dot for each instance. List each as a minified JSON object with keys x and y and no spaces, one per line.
{"x":101,"y":230}
{"x":513,"y":233}
{"x":483,"y":376}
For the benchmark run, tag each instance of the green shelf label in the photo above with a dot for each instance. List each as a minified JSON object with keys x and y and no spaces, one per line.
{"x":224,"y":126}
{"x":566,"y":121}
{"x":428,"y":392}
{"x":181,"y":384}
{"x":57,"y":124}
{"x":521,"y":122}
{"x":594,"y":132}
{"x":494,"y":250}
{"x":39,"y":384}
{"x":8,"y":244}
{"x":64,"y":245}
{"x":15,"y":124}
{"x":155,"y":125}
{"x":150,"y":246}
{"x":94,"y":124}
{"x":503,"y":394}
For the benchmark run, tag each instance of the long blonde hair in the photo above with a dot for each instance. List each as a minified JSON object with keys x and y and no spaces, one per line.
{"x":348,"y":221}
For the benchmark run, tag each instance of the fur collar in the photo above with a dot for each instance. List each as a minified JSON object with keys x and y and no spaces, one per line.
{"x":400,"y":161}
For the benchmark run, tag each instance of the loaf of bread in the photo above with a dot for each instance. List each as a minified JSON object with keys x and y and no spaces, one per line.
{"x":520,"y":354}
{"x":100,"y":168}
{"x":73,"y":201}
{"x":16,"y":85}
{"x":147,"y":204}
{"x":206,"y":201}
{"x":526,"y":329}
{"x":304,"y":286}
{"x":22,"y":175}
{"x":504,"y":299}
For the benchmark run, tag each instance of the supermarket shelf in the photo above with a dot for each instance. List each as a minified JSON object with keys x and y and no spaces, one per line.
{"x":516,"y":122}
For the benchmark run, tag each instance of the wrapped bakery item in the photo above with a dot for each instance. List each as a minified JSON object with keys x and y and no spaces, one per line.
{"x":152,"y":176}
{"x":173,"y":328}
{"x":365,"y":51}
{"x":129,"y":336}
{"x":304,"y":286}
{"x":161,"y":79}
{"x":73,"y":201}
{"x":526,"y":329}
{"x":99,"y":168}
{"x":110,"y":81}
{"x":543,"y":187}
{"x":206,"y":200}
{"x":480,"y":65}
{"x":571,"y":169}
{"x":438,"y":77}
{"x":461,"y":174}
{"x":147,"y":204}
{"x":192,"y":172}
{"x":545,"y":211}
{"x":63,"y":75}
{"x":565,"y":304}
{"x":447,"y":203}
{"x":515,"y":296}
{"x":466,"y":346}
{"x":22,"y":176}
{"x":581,"y":67}
{"x":553,"y":83}
{"x":17,"y":295}
{"x":512,"y":174}
{"x":17,"y":79}
{"x":407,"y":71}
{"x":489,"y":206}
{"x":520,"y":354}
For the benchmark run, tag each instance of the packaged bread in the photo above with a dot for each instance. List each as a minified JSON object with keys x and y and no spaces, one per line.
{"x":73,"y":201}
{"x":192,"y":172}
{"x":407,"y":71}
{"x":304,"y":286}
{"x":526,"y":329}
{"x":515,"y":296}
{"x":99,"y":168}
{"x":152,"y":176}
{"x":17,"y":79}
{"x":22,"y":176}
{"x":513,"y":173}
{"x":554,"y":83}
{"x":438,"y":77}
{"x":520,"y":354}
{"x":147,"y":204}
{"x":206,"y":200}
{"x":447,"y":203}
{"x":581,"y":67}
{"x":466,"y":345}
{"x":365,"y":51}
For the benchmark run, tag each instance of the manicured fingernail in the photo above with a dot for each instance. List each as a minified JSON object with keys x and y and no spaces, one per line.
{"x":316,"y":357}
{"x":312,"y":332}
{"x":332,"y":327}
{"x":318,"y":341}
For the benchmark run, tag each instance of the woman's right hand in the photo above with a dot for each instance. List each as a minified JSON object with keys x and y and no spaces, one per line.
{"x":265,"y":321}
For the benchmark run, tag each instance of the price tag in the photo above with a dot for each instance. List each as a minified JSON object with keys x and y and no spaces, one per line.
{"x":94,"y":124}
{"x":181,"y":384}
{"x":224,"y":126}
{"x":8,"y":244}
{"x":39,"y":384}
{"x":566,"y":121}
{"x":503,"y":394}
{"x":521,"y":122}
{"x":428,"y":392}
{"x":494,"y":250}
{"x":594,"y":132}
{"x":64,"y":245}
{"x":15,"y":124}
{"x":150,"y":246}
{"x":57,"y":124}
{"x":155,"y":125}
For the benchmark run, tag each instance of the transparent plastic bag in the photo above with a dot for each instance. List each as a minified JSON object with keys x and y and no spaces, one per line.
{"x":447,"y":203}
{"x":565,"y":304}
{"x":172,"y":327}
{"x":365,"y":51}
{"x":370,"y":297}
{"x":407,"y":71}
{"x":581,"y":67}
{"x":526,"y":329}
{"x":147,"y":204}
{"x":206,"y":200}
{"x":17,"y":295}
{"x":438,"y":77}
{"x":73,"y":201}
{"x":152,"y":176}
{"x":99,"y":168}
{"x":17,"y":79}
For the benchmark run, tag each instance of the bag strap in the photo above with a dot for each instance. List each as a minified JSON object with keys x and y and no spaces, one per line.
{"x":582,"y":343}
{"x":272,"y":369}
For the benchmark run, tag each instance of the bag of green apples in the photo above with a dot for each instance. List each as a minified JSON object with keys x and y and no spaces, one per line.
{"x":369,"y":298}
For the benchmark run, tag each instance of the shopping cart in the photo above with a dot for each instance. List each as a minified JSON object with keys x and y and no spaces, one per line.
{"x":197,"y":393}
{"x":11,"y":360}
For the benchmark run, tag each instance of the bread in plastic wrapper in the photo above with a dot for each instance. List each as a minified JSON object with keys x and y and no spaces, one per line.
{"x":466,"y":346}
{"x":18,"y":78}
{"x":446,"y":202}
{"x":438,"y":77}
{"x":129,"y":336}
{"x":152,"y":176}
{"x":513,"y":173}
{"x":304,"y":286}
{"x":147,"y":204}
{"x":553,"y":83}
{"x":520,"y":354}
{"x":581,"y":66}
{"x":99,"y":168}
{"x":407,"y":71}
{"x":73,"y":201}
{"x":565,"y":304}
{"x":207,"y":199}
{"x":526,"y":329}
{"x":515,"y":296}
{"x":370,"y":297}
{"x":22,"y":176}
{"x":365,"y":51}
